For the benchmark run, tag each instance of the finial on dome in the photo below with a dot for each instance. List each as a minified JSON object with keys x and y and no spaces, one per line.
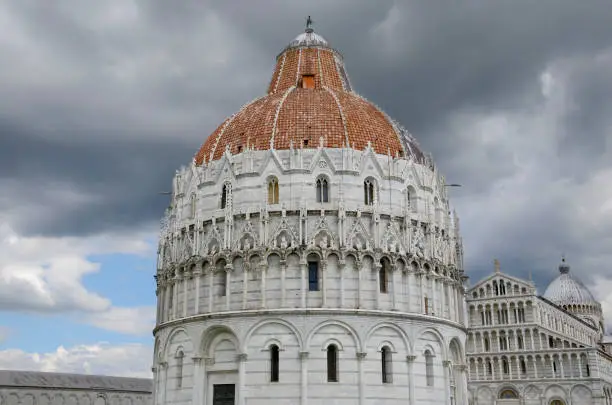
{"x":496,"y":264}
{"x":309,"y":25}
{"x":564,"y":268}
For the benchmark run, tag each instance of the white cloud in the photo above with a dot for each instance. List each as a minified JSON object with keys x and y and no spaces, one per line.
{"x":133,"y":321}
{"x":45,"y":275}
{"x":122,"y":360}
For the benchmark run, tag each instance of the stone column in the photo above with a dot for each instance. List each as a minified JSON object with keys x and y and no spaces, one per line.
{"x":211,"y":288}
{"x":443,"y":299}
{"x":462,"y":384}
{"x":242,"y":358}
{"x":197,"y":275}
{"x":175,"y":295}
{"x":245,"y":284}
{"x":185,"y":289}
{"x":446,"y":364}
{"x":359,"y":284}
{"x":579,"y":365}
{"x":410,"y":280}
{"x":228,"y":285}
{"x":208,"y":361}
{"x":283,"y":265}
{"x":155,"y":385}
{"x":262,"y":268}
{"x":360,"y":360}
{"x":342,"y":265}
{"x":410,"y":359}
{"x":164,"y":377}
{"x":304,"y":378}
{"x":422,"y":295}
{"x":394,"y":286}
{"x":434,"y":299}
{"x":324,"y":282}
{"x":197,"y":388}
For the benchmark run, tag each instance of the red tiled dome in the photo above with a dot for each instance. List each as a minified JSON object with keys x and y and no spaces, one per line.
{"x":309,"y":97}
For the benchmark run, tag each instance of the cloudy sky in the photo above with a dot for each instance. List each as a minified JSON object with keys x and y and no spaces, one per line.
{"x":101,"y":101}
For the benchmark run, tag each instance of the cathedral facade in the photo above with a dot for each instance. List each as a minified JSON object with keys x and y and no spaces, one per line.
{"x":527,"y":349}
{"x":310,"y":255}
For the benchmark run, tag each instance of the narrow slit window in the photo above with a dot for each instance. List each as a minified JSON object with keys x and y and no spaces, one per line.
{"x":274,"y":363}
{"x":429,"y":372}
{"x":179,"y":369}
{"x":386,"y":364}
{"x":332,"y":363}
{"x":383,"y":280}
{"x":273,"y":191}
{"x":313,"y":276}
{"x":224,"y":195}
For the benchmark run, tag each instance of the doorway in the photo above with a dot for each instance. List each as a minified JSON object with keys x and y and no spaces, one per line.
{"x":224,"y":394}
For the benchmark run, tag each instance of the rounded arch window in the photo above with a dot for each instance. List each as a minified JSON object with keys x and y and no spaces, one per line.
{"x":386,"y":365}
{"x":322,"y":189}
{"x":179,"y":368}
{"x":273,"y":190}
{"x":332,"y":363}
{"x":226,"y":192}
{"x":429,"y":371}
{"x":274,"y":363}
{"x":369,"y":191}
{"x":508,"y":394}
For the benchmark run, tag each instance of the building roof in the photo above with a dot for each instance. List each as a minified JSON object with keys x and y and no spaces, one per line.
{"x":36,"y":379}
{"x":566,"y":289}
{"x":309,"y":103}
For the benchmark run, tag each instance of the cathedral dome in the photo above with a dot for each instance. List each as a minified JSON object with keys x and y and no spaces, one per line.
{"x":567,"y":290}
{"x":309,"y":102}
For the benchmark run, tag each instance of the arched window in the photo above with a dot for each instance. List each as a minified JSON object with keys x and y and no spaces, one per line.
{"x":386,"y":364}
{"x":505,"y":366}
{"x":383,"y":279}
{"x":369,"y":192}
{"x":179,"y":369}
{"x":508,"y":394}
{"x":322,"y":190}
{"x":313,"y":276}
{"x":225,"y":194}
{"x":519,"y":342}
{"x":274,"y":363}
{"x":489,"y":368}
{"x":332,"y":363}
{"x":273,"y":191}
{"x":429,"y":371}
{"x":487,"y":345}
{"x":523,"y":367}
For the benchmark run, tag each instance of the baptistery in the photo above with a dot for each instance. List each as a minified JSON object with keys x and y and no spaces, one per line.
{"x":309,"y":255}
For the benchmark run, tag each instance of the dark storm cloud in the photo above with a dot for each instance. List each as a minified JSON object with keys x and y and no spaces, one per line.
{"x":108,"y":98}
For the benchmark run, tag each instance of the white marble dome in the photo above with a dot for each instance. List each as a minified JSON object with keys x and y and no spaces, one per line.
{"x":310,"y":273}
{"x":570,"y":293}
{"x":568,"y":290}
